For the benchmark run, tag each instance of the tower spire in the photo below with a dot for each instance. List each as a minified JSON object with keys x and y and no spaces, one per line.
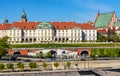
{"x":23,"y":17}
{"x":6,"y":21}
{"x":98,"y":12}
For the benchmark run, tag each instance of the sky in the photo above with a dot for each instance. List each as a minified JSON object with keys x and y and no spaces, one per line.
{"x":80,"y":11}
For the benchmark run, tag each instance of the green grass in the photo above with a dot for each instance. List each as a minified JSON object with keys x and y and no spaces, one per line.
{"x":60,"y":45}
{"x":105,"y":52}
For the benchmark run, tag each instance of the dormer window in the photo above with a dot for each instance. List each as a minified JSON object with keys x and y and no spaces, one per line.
{"x":64,"y":26}
{"x":24,"y":27}
{"x":32,"y":27}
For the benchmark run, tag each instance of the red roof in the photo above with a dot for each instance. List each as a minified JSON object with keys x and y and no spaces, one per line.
{"x":25,"y":25}
{"x":10,"y":52}
{"x":63,"y":25}
{"x":102,"y":31}
{"x":5,"y":26}
{"x":24,"y":52}
{"x":117,"y":29}
{"x":86,"y":26}
{"x":56,"y":25}
{"x":20,"y":25}
{"x":33,"y":51}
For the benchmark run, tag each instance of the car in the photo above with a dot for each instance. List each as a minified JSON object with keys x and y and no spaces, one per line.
{"x":27,"y":60}
{"x":39,"y":60}
{"x":83,"y":59}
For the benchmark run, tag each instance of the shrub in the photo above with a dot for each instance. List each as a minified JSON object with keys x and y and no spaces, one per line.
{"x":33,"y":65}
{"x":44,"y":64}
{"x":68,"y":64}
{"x":2,"y":66}
{"x":9,"y":66}
{"x":20,"y":65}
{"x":56,"y":64}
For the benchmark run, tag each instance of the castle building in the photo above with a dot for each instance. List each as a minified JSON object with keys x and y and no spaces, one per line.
{"x":47,"y":32}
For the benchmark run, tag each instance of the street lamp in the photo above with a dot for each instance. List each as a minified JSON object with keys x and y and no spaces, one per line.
{"x":96,"y":56}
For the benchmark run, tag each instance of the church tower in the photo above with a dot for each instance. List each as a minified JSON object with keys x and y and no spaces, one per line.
{"x":23,"y":17}
{"x":6,"y":21}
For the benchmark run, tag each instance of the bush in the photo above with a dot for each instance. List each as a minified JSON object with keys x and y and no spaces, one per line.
{"x":20,"y":65}
{"x":68,"y":64}
{"x":9,"y":66}
{"x":33,"y":65}
{"x":2,"y":66}
{"x":44,"y":64}
{"x":56,"y":64}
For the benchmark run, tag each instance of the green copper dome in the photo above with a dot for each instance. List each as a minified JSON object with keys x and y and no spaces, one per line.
{"x":45,"y":25}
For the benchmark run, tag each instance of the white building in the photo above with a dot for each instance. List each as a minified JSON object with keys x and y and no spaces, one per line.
{"x":47,"y":32}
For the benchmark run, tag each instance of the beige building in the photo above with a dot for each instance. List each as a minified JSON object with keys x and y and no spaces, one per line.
{"x":47,"y":32}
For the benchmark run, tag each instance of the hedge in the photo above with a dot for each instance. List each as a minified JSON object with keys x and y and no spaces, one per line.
{"x":59,"y":45}
{"x":105,"y":52}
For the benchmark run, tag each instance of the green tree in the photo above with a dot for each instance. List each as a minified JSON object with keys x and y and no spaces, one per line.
{"x":56,"y":64}
{"x":4,"y":46}
{"x":9,"y":66}
{"x":48,"y":54}
{"x":100,"y":38}
{"x":40,"y":55}
{"x":33,"y":65}
{"x":68,"y":64}
{"x":20,"y":65}
{"x":116,"y":37}
{"x":2,"y":66}
{"x":44,"y":64}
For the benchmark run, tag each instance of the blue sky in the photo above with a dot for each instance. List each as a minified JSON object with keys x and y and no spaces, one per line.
{"x":56,"y":10}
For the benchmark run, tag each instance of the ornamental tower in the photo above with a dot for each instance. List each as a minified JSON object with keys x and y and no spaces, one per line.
{"x":6,"y":21}
{"x":23,"y":17}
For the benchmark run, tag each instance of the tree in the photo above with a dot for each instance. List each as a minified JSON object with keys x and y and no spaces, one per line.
{"x":9,"y":66}
{"x":44,"y":64}
{"x":2,"y":51}
{"x":4,"y":46}
{"x":102,"y":38}
{"x":56,"y":64}
{"x":33,"y":65}
{"x":20,"y":65}
{"x":49,"y":54}
{"x":40,"y":55}
{"x":68,"y":64}
{"x":116,"y":37}
{"x":2,"y":66}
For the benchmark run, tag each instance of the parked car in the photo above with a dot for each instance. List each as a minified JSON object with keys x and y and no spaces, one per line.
{"x":27,"y":60}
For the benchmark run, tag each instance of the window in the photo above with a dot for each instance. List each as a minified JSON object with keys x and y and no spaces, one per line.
{"x":24,"y":27}
{"x":89,"y":34}
{"x":64,"y":26}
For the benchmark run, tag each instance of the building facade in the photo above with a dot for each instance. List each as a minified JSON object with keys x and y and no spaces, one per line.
{"x":47,"y":32}
{"x":106,"y":22}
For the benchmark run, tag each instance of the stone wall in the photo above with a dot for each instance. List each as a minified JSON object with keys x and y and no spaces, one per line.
{"x":47,"y":73}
